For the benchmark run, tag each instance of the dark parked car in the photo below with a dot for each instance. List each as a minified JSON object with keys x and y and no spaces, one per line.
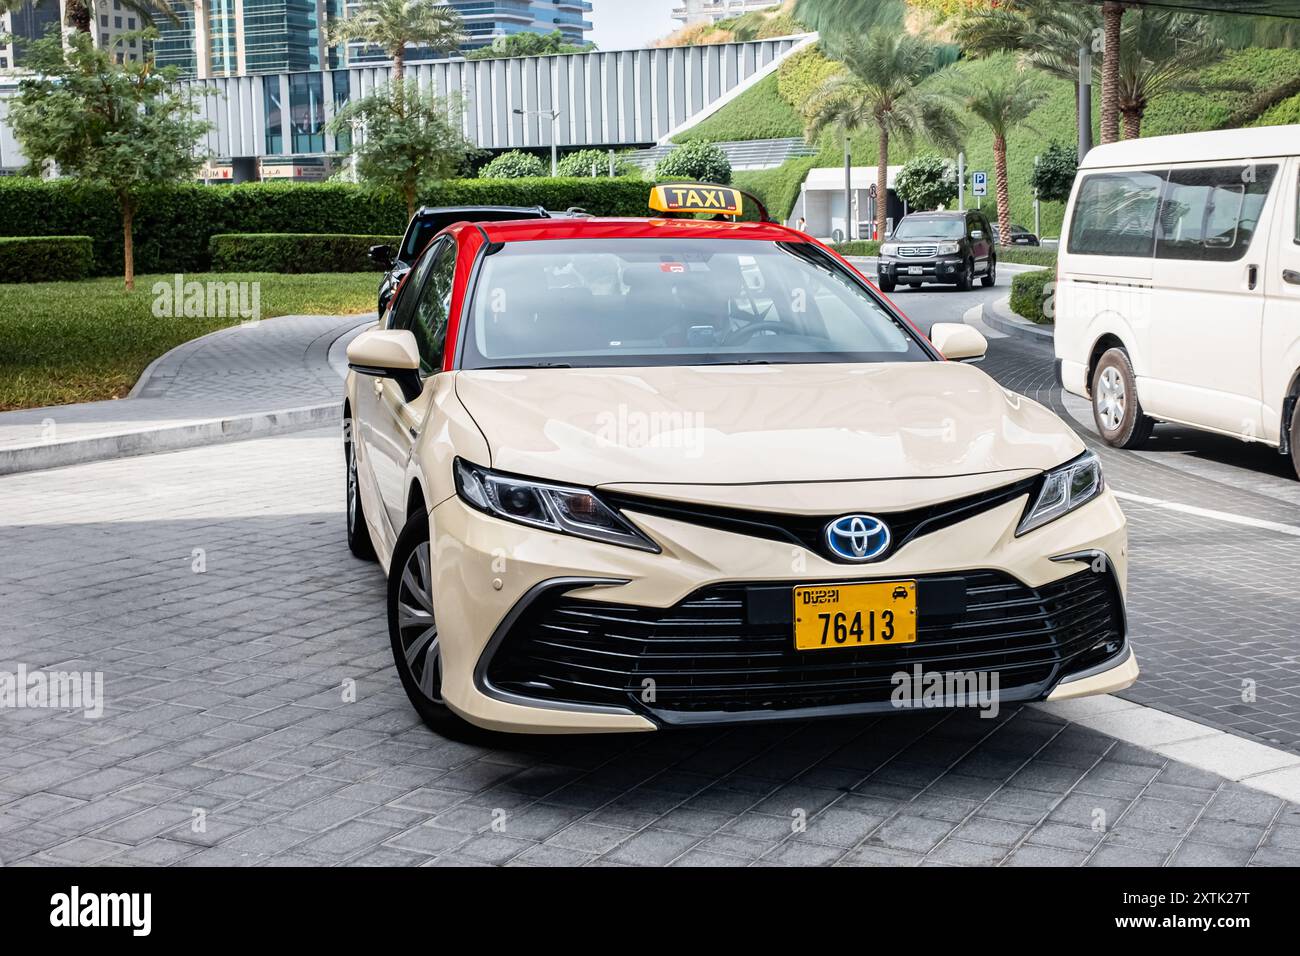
{"x":1020,"y":236}
{"x":944,"y":247}
{"x":427,"y":223}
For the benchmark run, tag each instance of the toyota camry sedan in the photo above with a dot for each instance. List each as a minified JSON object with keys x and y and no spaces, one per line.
{"x":635,"y":474}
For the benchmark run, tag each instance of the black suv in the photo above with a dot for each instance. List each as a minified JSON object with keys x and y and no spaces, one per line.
{"x":427,"y":223}
{"x":945,"y":247}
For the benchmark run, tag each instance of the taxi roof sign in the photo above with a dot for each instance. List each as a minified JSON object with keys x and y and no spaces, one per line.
{"x":697,"y":198}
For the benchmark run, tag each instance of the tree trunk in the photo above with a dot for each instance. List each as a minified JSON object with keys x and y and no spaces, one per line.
{"x":409,"y":194}
{"x":1004,"y":192}
{"x":399,"y":64}
{"x":1112,"y":13}
{"x":1132,"y":122}
{"x":882,"y":183}
{"x":128,"y":244}
{"x":77,"y":15}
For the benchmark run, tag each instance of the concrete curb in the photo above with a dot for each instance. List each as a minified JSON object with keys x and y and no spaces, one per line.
{"x":999,"y":316}
{"x":171,"y":437}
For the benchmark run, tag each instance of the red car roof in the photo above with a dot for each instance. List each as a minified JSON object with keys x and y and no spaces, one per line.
{"x":589,"y":228}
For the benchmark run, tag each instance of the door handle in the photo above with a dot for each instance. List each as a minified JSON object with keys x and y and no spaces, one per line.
{"x":1252,"y":276}
{"x":1291,"y":276}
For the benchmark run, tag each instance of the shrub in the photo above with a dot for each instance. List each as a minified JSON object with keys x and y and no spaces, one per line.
{"x":801,"y":77}
{"x":289,"y":252}
{"x":697,"y":162}
{"x":579,"y":165}
{"x":1029,"y":294}
{"x":778,"y":188}
{"x":1053,"y":177}
{"x":174,"y":223}
{"x":513,"y":165}
{"x":46,"y":258}
{"x":927,"y":182}
{"x":860,"y":247}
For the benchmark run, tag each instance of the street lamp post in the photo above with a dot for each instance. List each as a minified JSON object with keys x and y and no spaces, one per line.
{"x":555,"y":133}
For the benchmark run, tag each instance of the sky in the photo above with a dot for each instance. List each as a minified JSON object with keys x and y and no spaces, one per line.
{"x":628,"y":24}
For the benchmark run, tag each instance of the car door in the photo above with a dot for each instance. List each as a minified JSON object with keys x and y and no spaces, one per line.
{"x":1280,"y":354}
{"x":980,"y":237}
{"x":399,"y":416}
{"x":1208,"y":302}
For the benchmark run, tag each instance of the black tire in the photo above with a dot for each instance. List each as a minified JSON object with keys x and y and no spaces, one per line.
{"x":965,"y":277}
{"x":354,"y":514}
{"x":1295,"y":440}
{"x":1116,"y":408}
{"x":887,"y":284}
{"x":415,"y":650}
{"x":990,"y":278}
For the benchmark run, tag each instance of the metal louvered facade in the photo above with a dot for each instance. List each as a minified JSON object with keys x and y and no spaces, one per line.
{"x":616,"y":98}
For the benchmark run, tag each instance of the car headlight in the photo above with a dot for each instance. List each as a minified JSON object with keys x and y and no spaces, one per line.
{"x":889,"y":249}
{"x":1063,"y":489}
{"x":949,"y":248}
{"x":542,"y":504}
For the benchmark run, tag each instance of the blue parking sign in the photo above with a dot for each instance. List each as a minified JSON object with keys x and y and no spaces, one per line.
{"x":980,"y":182}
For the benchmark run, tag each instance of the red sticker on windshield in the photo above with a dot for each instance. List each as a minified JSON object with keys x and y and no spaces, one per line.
{"x":672,"y":267}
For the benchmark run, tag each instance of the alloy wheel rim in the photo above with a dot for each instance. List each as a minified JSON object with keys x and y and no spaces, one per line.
{"x":417,"y":629}
{"x":1111,"y":399}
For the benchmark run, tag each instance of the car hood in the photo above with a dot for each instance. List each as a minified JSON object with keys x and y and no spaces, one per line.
{"x":760,"y":423}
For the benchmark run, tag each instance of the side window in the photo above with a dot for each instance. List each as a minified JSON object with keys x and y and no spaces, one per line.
{"x":428,"y":318}
{"x":399,"y":314}
{"x":1115,"y":214}
{"x":1211,"y":214}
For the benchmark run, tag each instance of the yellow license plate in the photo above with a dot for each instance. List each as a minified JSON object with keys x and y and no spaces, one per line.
{"x":854,"y":615}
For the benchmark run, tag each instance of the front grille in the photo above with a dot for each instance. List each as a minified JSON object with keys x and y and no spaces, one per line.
{"x":809,"y":531}
{"x":917,"y":252}
{"x":729,"y":650}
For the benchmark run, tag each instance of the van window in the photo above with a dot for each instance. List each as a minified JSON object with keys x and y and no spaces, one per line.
{"x":1211,"y":214}
{"x":1115,"y":214}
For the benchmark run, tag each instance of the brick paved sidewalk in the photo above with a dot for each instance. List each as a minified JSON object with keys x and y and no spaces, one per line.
{"x":270,"y":366}
{"x":228,"y":619}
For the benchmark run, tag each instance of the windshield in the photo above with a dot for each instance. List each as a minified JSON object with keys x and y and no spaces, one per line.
{"x":636,"y":302}
{"x":911,"y":228}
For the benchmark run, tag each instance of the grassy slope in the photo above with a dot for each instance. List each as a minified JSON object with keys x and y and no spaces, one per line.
{"x":758,"y":113}
{"x":64,"y":342}
{"x":1053,"y":120}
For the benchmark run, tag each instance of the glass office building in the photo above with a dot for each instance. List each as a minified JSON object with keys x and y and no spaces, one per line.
{"x":271,"y":36}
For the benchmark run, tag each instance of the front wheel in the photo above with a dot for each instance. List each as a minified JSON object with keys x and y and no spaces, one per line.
{"x":413,"y":629}
{"x":964,"y":278}
{"x":887,"y":284}
{"x":991,"y":278}
{"x":1115,"y":405}
{"x":359,"y":542}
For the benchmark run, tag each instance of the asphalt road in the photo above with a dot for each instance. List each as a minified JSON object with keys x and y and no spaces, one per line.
{"x":1214,"y":529}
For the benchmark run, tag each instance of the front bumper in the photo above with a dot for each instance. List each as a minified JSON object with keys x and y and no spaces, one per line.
{"x":938,"y":269}
{"x":544,"y":633}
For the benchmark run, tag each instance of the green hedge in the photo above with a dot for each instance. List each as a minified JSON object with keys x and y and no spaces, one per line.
{"x":46,"y":258}
{"x":1028,"y":255}
{"x":174,"y":224}
{"x":291,"y":252}
{"x":1029,"y":292}
{"x":859,"y":247}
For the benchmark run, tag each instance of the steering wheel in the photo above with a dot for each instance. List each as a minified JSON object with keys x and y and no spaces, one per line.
{"x":742,"y":335}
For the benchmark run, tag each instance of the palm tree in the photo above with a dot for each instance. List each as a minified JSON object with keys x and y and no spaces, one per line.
{"x":880,"y":86}
{"x":831,"y":17}
{"x":393,"y":25}
{"x":78,"y":15}
{"x":1003,"y":99}
{"x":1047,"y":34}
{"x":1167,"y":52}
{"x":1112,"y":17}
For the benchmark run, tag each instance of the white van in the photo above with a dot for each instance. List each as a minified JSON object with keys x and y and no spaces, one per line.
{"x":1178,"y":286}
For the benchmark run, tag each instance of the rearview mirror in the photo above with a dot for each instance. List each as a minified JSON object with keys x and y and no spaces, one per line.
{"x":958,"y":342}
{"x":382,"y":256}
{"x":388,"y":353}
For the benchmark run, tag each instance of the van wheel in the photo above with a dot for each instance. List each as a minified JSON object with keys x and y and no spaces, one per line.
{"x":886,"y":284}
{"x":413,"y":630}
{"x":1295,"y":441}
{"x":1115,"y":405}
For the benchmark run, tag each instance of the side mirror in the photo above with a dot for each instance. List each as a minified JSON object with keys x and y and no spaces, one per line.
{"x":388,"y":353}
{"x":977,"y":233}
{"x":382,"y":256}
{"x":958,"y":342}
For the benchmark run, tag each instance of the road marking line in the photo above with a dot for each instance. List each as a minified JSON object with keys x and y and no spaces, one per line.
{"x":1225,"y":516}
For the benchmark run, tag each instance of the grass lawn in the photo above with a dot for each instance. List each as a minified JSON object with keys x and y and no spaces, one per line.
{"x":63,"y":342}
